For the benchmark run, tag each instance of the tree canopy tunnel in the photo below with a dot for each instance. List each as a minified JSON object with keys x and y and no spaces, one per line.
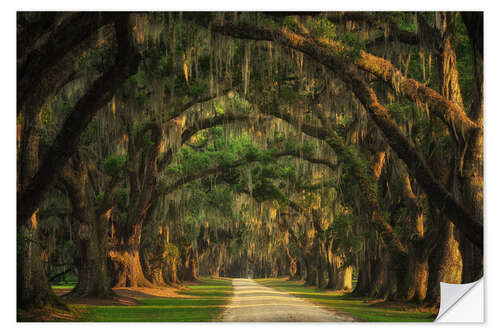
{"x":341,"y":149}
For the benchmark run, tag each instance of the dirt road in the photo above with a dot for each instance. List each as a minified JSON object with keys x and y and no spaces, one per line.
{"x":253,"y":302}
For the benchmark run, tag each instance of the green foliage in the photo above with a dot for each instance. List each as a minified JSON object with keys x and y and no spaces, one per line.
{"x":288,"y":94}
{"x":353,"y":46}
{"x":89,"y":135}
{"x":321,"y":27}
{"x":465,"y":61}
{"x":224,"y":158}
{"x":156,"y":63}
{"x":290,"y":23}
{"x":197,"y":89}
{"x":98,"y":198}
{"x":218,"y":109}
{"x":146,"y":141}
{"x":252,"y":153}
{"x":408,"y":22}
{"x":241,"y":104}
{"x":308,"y":147}
{"x":135,"y":88}
{"x":170,"y":253}
{"x":113,"y":164}
{"x":400,"y":111}
{"x":121,"y":197}
{"x":98,"y":59}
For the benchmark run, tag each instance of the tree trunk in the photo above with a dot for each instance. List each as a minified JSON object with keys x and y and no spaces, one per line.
{"x":292,"y":267}
{"x":418,"y":274}
{"x":91,"y":226}
{"x":170,"y":272}
{"x":153,"y":268}
{"x":445,"y":263}
{"x":419,"y":248}
{"x":93,"y":274}
{"x":125,"y":256}
{"x":346,"y":279}
{"x":383,"y":283}
{"x":363,"y":284}
{"x":332,"y":281}
{"x":473,"y":160}
{"x":322,"y":266}
{"x":299,"y":272}
{"x":218,"y":265}
{"x":472,"y":258}
{"x":334,"y":275}
{"x":127,"y":268}
{"x":33,"y":288}
{"x":321,"y":274}
{"x":341,"y":277}
{"x":190,"y":265}
{"x":311,"y":273}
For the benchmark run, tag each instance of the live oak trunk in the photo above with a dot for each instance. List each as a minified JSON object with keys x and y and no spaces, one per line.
{"x":91,"y":231}
{"x":170,"y":273}
{"x":126,"y":261}
{"x":363,"y":284}
{"x":153,"y":268}
{"x":473,"y":159}
{"x":322,"y":267}
{"x":418,"y":274}
{"x":293,"y":272}
{"x":93,"y":273}
{"x":189,"y":266}
{"x":33,"y":288}
{"x":125,"y":255}
{"x":419,"y":247}
{"x":311,"y":273}
{"x":445,"y":262}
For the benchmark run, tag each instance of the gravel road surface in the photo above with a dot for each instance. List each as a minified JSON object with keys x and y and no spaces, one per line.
{"x":253,"y":302}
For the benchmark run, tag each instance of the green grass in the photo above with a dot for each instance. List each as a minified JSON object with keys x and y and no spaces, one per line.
{"x":207,"y":304}
{"x":351,"y":305}
{"x":65,"y":285}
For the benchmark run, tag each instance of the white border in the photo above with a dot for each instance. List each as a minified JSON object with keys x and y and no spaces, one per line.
{"x":8,"y":170}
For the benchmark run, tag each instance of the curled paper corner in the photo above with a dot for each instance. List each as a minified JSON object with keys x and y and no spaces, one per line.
{"x":462,"y":303}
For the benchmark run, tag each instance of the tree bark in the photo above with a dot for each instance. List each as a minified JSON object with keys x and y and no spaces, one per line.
{"x":91,"y":227}
{"x":93,"y":274}
{"x":311,"y":273}
{"x":363,"y":284}
{"x":33,"y":288}
{"x":472,"y":179}
{"x":190,"y":266}
{"x":170,"y":273}
{"x":445,"y":261}
{"x":127,"y":268}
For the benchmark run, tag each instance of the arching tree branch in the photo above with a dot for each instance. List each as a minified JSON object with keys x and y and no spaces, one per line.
{"x":418,"y":167}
